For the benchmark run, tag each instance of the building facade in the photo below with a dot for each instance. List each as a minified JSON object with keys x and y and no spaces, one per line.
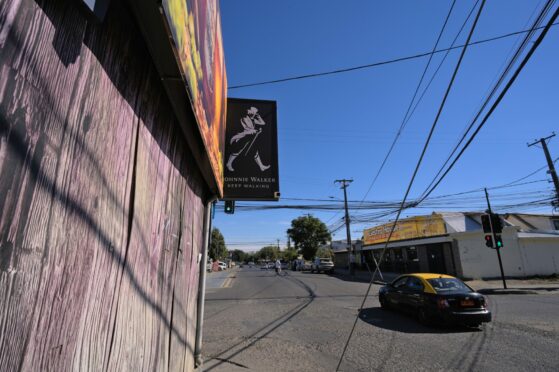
{"x":453,"y":243}
{"x":105,"y":175}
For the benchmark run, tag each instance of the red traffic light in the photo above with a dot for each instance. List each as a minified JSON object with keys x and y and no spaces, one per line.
{"x":489,"y":241}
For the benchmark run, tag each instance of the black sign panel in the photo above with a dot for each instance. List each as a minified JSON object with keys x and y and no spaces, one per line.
{"x":250,"y":167}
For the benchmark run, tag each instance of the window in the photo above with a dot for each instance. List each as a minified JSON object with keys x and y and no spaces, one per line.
{"x":398,"y":255}
{"x":414,"y":284}
{"x":447,"y":285}
{"x":387,"y":256}
{"x":401,"y":282}
{"x":412,"y":254}
{"x":556,"y":224}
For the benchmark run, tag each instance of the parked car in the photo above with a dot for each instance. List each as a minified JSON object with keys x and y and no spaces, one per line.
{"x":250,"y":264}
{"x":222,"y":266}
{"x":436,"y":297}
{"x":284,"y":265}
{"x":306,"y":266}
{"x":322,"y":264}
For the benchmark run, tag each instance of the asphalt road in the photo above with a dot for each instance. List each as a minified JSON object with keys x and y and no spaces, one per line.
{"x":301,"y":321}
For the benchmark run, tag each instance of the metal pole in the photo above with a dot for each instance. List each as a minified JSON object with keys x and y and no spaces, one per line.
{"x":202,"y":283}
{"x":550,"y":164}
{"x":495,"y":240}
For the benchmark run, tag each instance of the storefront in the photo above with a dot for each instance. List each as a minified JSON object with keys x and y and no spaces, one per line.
{"x":453,"y":243}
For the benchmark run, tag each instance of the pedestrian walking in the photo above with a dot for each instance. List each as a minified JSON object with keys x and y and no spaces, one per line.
{"x":278,"y":267}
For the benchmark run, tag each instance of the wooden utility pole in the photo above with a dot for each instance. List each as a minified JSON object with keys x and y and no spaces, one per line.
{"x":350,"y":249}
{"x":552,"y":172}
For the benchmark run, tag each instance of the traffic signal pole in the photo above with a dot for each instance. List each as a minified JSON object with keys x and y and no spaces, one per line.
{"x":495,"y":240}
{"x":552,"y":172}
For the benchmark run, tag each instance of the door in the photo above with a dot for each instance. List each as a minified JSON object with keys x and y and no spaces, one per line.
{"x":395,"y":296}
{"x":413,"y":293}
{"x":435,"y":258}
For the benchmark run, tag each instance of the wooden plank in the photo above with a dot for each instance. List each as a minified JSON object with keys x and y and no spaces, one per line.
{"x":100,"y":199}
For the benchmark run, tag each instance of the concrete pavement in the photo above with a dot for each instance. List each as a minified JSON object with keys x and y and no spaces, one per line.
{"x":220,"y":279}
{"x":300,"y":322}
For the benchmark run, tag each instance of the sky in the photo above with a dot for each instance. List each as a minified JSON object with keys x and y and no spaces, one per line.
{"x":342,"y":125}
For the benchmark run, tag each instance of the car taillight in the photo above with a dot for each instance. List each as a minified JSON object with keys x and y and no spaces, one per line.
{"x":483,"y":302}
{"x":442,"y":303}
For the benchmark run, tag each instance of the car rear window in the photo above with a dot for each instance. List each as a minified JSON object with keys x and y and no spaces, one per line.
{"x":449,"y":285}
{"x":325,"y":261}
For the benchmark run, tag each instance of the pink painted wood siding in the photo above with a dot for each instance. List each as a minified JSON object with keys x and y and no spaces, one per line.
{"x":100,"y":200}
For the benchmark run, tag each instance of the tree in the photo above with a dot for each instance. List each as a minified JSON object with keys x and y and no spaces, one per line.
{"x":218,"y":250}
{"x":269,"y":252}
{"x":325,"y":252}
{"x":238,"y":255}
{"x":289,"y":254}
{"x":308,"y":233}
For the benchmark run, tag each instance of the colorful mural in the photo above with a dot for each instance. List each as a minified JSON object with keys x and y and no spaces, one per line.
{"x":196,"y":29}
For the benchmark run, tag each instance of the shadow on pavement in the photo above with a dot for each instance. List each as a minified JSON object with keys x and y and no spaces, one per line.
{"x":398,"y":322}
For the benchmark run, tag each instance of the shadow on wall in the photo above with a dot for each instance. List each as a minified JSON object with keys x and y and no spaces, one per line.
{"x":92,"y":165}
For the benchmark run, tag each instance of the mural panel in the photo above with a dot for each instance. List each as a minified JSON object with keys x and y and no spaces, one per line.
{"x":195,"y":26}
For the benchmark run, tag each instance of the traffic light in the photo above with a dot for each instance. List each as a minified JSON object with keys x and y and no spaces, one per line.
{"x":498,"y":241}
{"x":496,"y":223}
{"x":489,"y":241}
{"x":229,"y":206}
{"x":485,"y":223}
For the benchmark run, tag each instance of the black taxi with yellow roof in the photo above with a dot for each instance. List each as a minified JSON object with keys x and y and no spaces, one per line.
{"x":436,"y":297}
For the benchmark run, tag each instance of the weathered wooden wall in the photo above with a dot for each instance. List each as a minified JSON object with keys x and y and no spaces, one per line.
{"x":100,"y":200}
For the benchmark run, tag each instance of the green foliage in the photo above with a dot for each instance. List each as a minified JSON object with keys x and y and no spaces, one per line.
{"x":218,"y":250}
{"x":270,"y":252}
{"x":250,"y":257}
{"x":289,"y":254}
{"x":325,"y":252}
{"x":308,"y":233}
{"x":238,"y":255}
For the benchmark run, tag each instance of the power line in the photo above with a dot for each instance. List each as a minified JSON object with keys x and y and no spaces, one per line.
{"x":376,"y":64}
{"x":505,"y":72}
{"x":404,"y":121}
{"x":535,"y":45}
{"x":420,"y":160}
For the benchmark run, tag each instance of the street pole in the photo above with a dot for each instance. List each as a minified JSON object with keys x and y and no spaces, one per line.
{"x":495,"y":240}
{"x":552,"y":171}
{"x":350,"y":249}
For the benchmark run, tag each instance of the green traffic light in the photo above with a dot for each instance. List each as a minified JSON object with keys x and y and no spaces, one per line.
{"x":499,"y":244}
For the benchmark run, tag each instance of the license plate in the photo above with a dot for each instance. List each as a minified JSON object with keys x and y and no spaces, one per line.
{"x":467,"y":303}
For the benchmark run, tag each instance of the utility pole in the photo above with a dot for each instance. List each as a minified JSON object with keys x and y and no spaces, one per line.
{"x":495,"y":240}
{"x":552,"y":172}
{"x":350,"y":249}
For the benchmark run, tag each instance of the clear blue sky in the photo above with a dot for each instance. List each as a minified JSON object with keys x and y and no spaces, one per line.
{"x":341,"y":126}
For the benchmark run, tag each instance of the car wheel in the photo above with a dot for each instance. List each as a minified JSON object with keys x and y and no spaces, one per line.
{"x":423,"y":317}
{"x":383,"y":303}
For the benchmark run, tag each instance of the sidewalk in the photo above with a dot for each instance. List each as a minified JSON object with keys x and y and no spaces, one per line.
{"x":488,"y":286}
{"x":515,"y":286}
